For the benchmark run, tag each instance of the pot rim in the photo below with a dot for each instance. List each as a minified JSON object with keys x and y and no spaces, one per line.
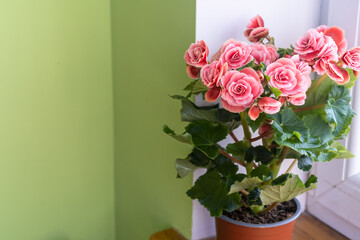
{"x":267,"y":225}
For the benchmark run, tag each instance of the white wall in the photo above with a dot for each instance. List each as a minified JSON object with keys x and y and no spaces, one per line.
{"x":219,"y":20}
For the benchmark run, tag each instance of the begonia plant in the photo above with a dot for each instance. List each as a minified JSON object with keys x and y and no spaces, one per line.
{"x":284,"y":114}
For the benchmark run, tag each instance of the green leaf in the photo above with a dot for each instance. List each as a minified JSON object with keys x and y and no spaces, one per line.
{"x":195,"y":87}
{"x":263,"y":172}
{"x":258,"y":154}
{"x":236,"y":149}
{"x":205,"y":136}
{"x":190,"y":86}
{"x":318,"y":96}
{"x":325,"y":156}
{"x":191,"y":113}
{"x":244,"y":184}
{"x":319,"y":138}
{"x":185,"y":138}
{"x":254,"y":125}
{"x":280,"y":180}
{"x":311,"y":180}
{"x":198,"y":158}
{"x":212,"y":193}
{"x":277,"y":92}
{"x":229,"y":119}
{"x":314,"y":131}
{"x":338,"y":109}
{"x":336,"y":151}
{"x":305,"y":163}
{"x":341,"y":150}
{"x":281,"y":193}
{"x":254,"y":197}
{"x":289,"y":128}
{"x":199,"y":87}
{"x":292,"y":154}
{"x":184,"y":167}
{"x":225,"y":166}
{"x":251,"y":64}
{"x":178,"y":97}
{"x":318,"y":128}
{"x":352,"y":80}
{"x":284,"y":51}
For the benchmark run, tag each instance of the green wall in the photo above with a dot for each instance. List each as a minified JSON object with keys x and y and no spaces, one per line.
{"x":149,"y":39}
{"x":75,"y":77}
{"x":56,"y":120}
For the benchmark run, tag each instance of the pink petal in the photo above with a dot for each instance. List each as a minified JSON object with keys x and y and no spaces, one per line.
{"x":231,"y":108}
{"x":251,"y":72}
{"x":212,"y":94}
{"x":254,"y":112}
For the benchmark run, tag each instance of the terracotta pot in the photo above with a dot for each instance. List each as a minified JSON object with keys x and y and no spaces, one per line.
{"x":228,"y":229}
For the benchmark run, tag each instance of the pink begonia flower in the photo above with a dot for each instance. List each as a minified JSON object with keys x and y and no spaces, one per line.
{"x":339,"y":75}
{"x":257,"y":34}
{"x":286,"y":77}
{"x":328,"y":53}
{"x":254,"y":22}
{"x":235,"y":53}
{"x":197,"y":54}
{"x":262,"y":78}
{"x":254,"y":112}
{"x":211,"y":73}
{"x":265,"y":128}
{"x":192,"y":72}
{"x":240,"y":89}
{"x":310,"y":45}
{"x":304,"y":68}
{"x":351,"y":58}
{"x":269,"y":105}
{"x":321,"y":28}
{"x":264,"y":53}
{"x":356,"y":73}
{"x":255,"y":29}
{"x":338,"y":35}
{"x":273,"y":52}
{"x":282,"y":99}
{"x":297,"y":99}
{"x":213,"y":94}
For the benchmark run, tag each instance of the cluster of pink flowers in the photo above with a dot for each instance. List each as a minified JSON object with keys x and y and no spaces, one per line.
{"x":324,"y":49}
{"x":321,"y":50}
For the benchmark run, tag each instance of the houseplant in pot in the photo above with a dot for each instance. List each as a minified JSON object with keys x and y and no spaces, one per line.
{"x":284,"y":114}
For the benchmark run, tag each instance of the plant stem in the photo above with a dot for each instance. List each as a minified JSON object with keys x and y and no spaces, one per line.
{"x":231,"y":158}
{"x":265,"y":142}
{"x":274,"y":145}
{"x":275,"y":167}
{"x":247,"y":133}
{"x":260,"y":136}
{"x":316,"y":84}
{"x":269,"y":208}
{"x":244,"y":192}
{"x":233,"y":136}
{"x":291,"y":166}
{"x":309,"y":108}
{"x":283,"y":155}
{"x":249,"y":168}
{"x":245,"y":126}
